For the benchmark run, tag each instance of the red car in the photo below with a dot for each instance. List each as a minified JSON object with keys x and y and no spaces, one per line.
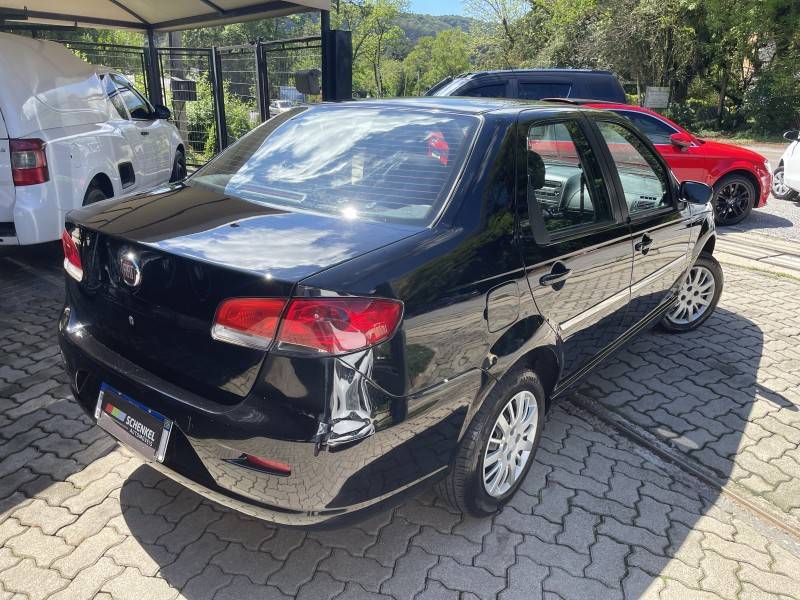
{"x":741,"y":178}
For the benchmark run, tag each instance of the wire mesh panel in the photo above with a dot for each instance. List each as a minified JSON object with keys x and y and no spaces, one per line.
{"x":283,"y":59}
{"x":238,"y":73}
{"x":128,"y":60}
{"x":188,"y":83}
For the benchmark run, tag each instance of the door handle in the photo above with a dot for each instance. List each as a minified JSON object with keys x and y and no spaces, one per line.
{"x":555,"y":278}
{"x":144,"y":133}
{"x":644,"y":244}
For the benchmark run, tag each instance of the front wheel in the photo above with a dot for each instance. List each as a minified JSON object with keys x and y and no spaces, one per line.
{"x":779,"y":188}
{"x":178,"y":167}
{"x":698,"y":296}
{"x":734,"y":199}
{"x":498,"y":448}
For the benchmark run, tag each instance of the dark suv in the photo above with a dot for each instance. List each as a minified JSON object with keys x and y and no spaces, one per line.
{"x":358,"y":299}
{"x":534,"y":84}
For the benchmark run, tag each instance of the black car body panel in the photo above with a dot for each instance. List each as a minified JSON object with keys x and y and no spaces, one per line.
{"x":534,"y":84}
{"x":473,"y":309}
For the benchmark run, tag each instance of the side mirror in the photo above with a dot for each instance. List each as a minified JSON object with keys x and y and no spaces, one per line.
{"x":681,"y":140}
{"x":695,"y":192}
{"x":792,"y":135}
{"x":162,"y":112}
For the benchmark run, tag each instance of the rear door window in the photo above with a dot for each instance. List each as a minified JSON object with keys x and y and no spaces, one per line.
{"x":536,"y":90}
{"x":497,"y":90}
{"x":564,"y":179}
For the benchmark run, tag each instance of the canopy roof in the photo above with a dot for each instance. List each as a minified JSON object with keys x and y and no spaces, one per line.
{"x":159,"y":15}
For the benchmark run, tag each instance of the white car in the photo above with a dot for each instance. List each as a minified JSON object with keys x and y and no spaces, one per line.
{"x":786,"y":178}
{"x":72,"y":134}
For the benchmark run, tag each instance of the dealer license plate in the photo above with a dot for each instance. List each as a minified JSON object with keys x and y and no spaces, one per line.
{"x":132,"y":423}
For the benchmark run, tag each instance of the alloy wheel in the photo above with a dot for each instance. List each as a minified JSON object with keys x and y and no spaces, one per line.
{"x":732,"y":201}
{"x":510,"y":444}
{"x":779,"y":188}
{"x":695,"y":296}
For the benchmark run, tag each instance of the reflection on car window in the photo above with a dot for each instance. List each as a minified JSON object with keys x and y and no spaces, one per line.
{"x":564,"y":182}
{"x":138,"y":107}
{"x":656,"y":130}
{"x":113,"y":95}
{"x":643,"y":179}
{"x":536,"y":90}
{"x":376,"y":163}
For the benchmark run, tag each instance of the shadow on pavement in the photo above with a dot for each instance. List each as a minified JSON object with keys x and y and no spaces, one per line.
{"x":595,"y":518}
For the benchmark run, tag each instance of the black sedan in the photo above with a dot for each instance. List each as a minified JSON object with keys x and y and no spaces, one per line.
{"x":356,"y":300}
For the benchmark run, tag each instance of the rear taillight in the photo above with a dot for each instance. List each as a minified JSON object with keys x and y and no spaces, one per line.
{"x":72,"y":258}
{"x":338,"y":325}
{"x":28,"y":162}
{"x":321,"y":326}
{"x":248,"y":321}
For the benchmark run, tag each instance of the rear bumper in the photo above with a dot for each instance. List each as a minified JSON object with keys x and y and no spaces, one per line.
{"x":412,"y":445}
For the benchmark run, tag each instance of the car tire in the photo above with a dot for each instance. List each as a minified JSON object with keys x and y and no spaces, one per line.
{"x":734,"y":199}
{"x":779,"y":189}
{"x":465,"y":486}
{"x":697,"y":298}
{"x":94,"y":194}
{"x":178,"y":167}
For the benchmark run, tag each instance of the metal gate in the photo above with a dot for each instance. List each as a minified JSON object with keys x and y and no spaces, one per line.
{"x":131,"y":61}
{"x":217,"y":94}
{"x":188,"y":84}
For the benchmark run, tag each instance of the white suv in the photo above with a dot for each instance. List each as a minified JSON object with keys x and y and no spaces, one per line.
{"x":786,"y":179}
{"x":72,"y":134}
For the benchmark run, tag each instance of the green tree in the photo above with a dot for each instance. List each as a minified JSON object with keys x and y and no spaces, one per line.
{"x":434,"y":58}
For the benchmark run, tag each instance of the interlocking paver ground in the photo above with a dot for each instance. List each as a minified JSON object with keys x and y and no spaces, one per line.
{"x":597,"y":517}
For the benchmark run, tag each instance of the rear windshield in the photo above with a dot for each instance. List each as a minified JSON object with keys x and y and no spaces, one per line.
{"x":376,"y":163}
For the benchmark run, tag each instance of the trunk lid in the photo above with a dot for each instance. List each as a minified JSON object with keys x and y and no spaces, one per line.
{"x":194,"y":248}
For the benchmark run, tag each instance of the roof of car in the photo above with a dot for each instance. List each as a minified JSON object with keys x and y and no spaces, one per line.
{"x":555,"y":71}
{"x":463,"y":104}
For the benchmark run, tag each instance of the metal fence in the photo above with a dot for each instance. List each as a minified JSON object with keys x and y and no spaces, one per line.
{"x":217,"y":94}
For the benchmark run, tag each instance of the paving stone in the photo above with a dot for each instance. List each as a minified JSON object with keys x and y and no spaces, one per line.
{"x":299,"y":567}
{"x":455,"y":546}
{"x":191,"y":561}
{"x":237,"y":560}
{"x":90,"y":522}
{"x":28,"y":579}
{"x":553,"y":555}
{"x":241,"y":588}
{"x":146,"y":558}
{"x":321,"y":587}
{"x":48,"y":518}
{"x":367,"y":572}
{"x":499,"y":551}
{"x":206,"y":585}
{"x":44,"y":549}
{"x":235,"y":527}
{"x":85,"y":584}
{"x":436,"y":591}
{"x":189,"y":529}
{"x":132,"y":585}
{"x":87,"y":553}
{"x":464,"y":578}
{"x":410,"y":574}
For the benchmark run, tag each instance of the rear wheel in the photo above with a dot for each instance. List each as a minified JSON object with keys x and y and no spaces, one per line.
{"x":734,"y":198}
{"x":94,"y":194}
{"x":698,"y":296}
{"x":779,"y":188}
{"x":178,"y":167}
{"x":498,"y":447}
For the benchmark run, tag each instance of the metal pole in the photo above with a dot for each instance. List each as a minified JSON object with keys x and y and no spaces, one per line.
{"x":327,"y":76}
{"x":262,"y":81}
{"x":219,"y":99}
{"x":153,"y":70}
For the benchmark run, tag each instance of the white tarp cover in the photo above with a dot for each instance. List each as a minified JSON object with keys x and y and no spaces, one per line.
{"x":161,"y":15}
